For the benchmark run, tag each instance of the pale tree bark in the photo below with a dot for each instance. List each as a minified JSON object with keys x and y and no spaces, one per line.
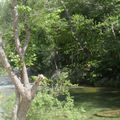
{"x":17,"y":101}
{"x":20,"y":50}
{"x":24,"y":96}
{"x":24,"y":92}
{"x":23,"y":108}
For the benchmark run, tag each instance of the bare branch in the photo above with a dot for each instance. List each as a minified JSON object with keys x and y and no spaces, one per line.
{"x":16,"y":31}
{"x":36,"y":84}
{"x":27,"y":30}
{"x":113,"y":31}
{"x":27,"y":40}
{"x":25,"y":75}
{"x":20,"y":50}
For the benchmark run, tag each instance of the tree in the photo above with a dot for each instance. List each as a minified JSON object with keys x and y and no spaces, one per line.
{"x":24,"y":92}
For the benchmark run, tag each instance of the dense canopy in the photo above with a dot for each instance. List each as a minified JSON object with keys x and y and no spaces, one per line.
{"x":80,"y":37}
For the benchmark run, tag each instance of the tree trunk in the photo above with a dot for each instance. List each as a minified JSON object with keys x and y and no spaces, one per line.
{"x":23,"y":109}
{"x":21,"y":112}
{"x":24,"y":92}
{"x":24,"y":95}
{"x":15,"y":109}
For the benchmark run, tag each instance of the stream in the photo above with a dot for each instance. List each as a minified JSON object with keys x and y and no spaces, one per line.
{"x":6,"y":86}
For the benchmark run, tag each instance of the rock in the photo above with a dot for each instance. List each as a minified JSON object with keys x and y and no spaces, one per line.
{"x":109,"y":113}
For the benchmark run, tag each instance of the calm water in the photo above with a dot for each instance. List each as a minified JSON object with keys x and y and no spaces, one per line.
{"x":6,"y":86}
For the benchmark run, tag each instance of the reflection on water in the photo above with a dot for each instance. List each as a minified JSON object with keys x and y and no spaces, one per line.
{"x":84,"y":89}
{"x":4,"y":80}
{"x":6,"y":86}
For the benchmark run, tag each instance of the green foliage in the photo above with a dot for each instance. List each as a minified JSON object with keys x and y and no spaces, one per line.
{"x":2,"y":71}
{"x":46,"y":107}
{"x":7,"y":106}
{"x":82,"y":36}
{"x":23,"y":9}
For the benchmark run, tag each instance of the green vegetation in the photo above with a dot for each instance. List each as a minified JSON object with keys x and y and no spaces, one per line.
{"x":2,"y":71}
{"x":80,"y":36}
{"x":49,"y":104}
{"x":72,"y":42}
{"x":83,"y":106}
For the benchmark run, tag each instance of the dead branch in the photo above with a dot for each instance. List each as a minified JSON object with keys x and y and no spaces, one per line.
{"x":36,"y":84}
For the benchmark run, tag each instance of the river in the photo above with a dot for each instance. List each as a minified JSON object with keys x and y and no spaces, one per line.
{"x":6,"y":86}
{"x":6,"y":89}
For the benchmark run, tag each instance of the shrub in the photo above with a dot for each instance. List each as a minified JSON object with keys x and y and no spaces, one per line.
{"x":51,"y":103}
{"x":47,"y":107}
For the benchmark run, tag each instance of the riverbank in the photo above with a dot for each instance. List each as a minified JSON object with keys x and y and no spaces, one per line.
{"x":88,"y":100}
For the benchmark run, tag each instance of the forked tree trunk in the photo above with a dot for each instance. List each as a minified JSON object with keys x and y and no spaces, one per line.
{"x":24,"y":93}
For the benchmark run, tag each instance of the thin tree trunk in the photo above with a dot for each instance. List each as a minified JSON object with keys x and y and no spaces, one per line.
{"x":24,"y":93}
{"x":23,"y":109}
{"x":17,"y":102}
{"x":25,"y":75}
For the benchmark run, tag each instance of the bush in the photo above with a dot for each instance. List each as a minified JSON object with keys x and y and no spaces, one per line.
{"x":51,"y":103}
{"x":7,"y":104}
{"x":46,"y":107}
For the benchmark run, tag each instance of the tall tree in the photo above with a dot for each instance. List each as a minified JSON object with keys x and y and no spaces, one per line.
{"x":24,"y":92}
